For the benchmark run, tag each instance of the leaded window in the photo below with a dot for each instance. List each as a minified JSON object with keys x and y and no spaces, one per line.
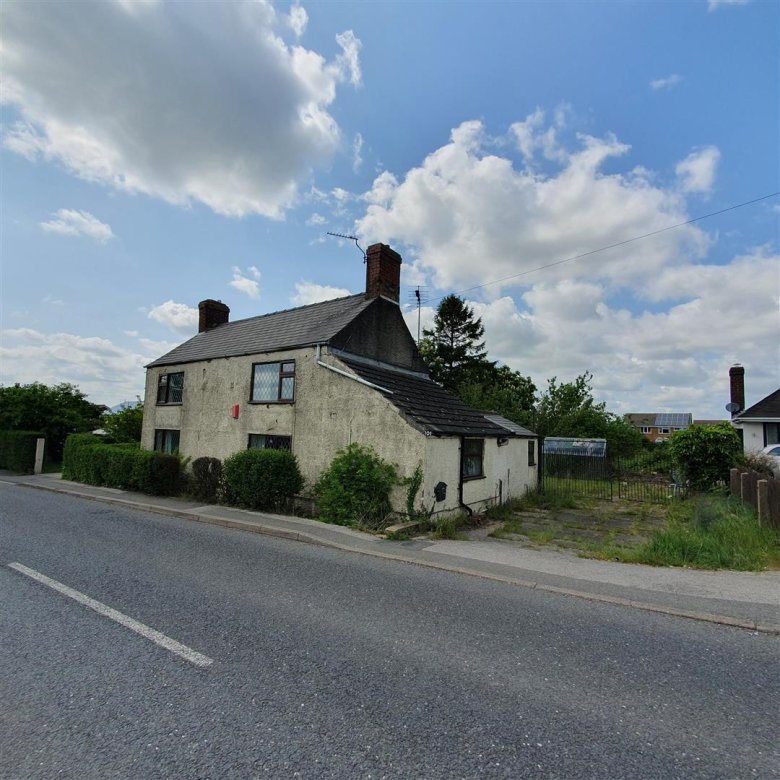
{"x":267,"y":441}
{"x":166,"y":441}
{"x":273,"y":382}
{"x":170,"y":388}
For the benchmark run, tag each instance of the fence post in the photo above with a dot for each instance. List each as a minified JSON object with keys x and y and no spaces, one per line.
{"x":744,"y":486}
{"x":734,"y":486}
{"x":763,"y":502}
{"x":39,"y":445}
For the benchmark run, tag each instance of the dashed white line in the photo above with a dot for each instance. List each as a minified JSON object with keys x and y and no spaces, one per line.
{"x":187,"y":653}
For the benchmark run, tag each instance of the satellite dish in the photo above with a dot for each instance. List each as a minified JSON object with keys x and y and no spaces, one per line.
{"x":732,"y":407}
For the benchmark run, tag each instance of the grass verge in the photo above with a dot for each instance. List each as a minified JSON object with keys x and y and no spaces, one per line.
{"x":706,"y":532}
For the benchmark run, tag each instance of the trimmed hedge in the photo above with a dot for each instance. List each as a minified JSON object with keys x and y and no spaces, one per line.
{"x":17,"y":450}
{"x":86,"y":458}
{"x":262,"y":479}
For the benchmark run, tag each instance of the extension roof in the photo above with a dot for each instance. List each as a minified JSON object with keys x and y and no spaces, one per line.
{"x":766,"y":409}
{"x":426,"y":405}
{"x":510,"y":426}
{"x":303,"y":326}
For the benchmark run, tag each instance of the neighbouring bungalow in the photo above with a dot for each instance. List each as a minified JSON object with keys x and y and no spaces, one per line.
{"x":759,"y":425}
{"x":315,"y":378}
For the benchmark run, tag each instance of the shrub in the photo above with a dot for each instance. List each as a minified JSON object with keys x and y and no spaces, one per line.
{"x":262,"y":479}
{"x":207,"y":476}
{"x":86,"y":458}
{"x":17,"y":450}
{"x":706,"y":453}
{"x":355,"y":488}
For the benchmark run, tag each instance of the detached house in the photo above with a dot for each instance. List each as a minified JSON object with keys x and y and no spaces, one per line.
{"x":758,"y":425}
{"x":315,"y":378}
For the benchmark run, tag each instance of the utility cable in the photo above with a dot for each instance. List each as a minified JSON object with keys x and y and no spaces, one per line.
{"x":611,"y":246}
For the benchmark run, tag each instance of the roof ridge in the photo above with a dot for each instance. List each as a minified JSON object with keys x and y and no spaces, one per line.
{"x":295,"y":308}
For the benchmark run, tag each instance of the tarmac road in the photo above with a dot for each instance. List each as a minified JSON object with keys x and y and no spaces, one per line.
{"x":307,"y":661}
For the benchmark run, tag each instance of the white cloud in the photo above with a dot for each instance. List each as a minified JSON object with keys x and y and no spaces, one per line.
{"x":713,"y":5}
{"x":245,"y":284}
{"x":298,"y":19}
{"x":316,"y":219}
{"x":357,"y":147}
{"x":71,"y":222}
{"x":697,"y":170}
{"x":470,"y":217}
{"x":666,"y":83}
{"x":107,"y":373}
{"x":183,"y":137}
{"x":177,"y":316}
{"x":309,"y":292}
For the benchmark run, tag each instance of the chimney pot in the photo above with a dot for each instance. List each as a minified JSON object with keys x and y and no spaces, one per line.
{"x":212,"y":313}
{"x":383,"y":272}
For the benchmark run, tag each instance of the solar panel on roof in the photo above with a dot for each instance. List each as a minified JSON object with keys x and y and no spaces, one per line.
{"x":672,"y":420}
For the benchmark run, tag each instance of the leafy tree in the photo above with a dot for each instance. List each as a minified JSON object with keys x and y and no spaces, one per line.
{"x":568,"y":409}
{"x":452,"y":348}
{"x":706,"y":453}
{"x":56,"y":411}
{"x":501,"y":390}
{"x":125,"y":425}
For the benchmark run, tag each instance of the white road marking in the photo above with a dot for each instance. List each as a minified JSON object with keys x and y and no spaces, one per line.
{"x":148,"y":633}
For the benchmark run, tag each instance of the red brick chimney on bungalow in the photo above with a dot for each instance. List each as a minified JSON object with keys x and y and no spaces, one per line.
{"x":383,"y":273}
{"x":212,"y":313}
{"x":737,"y":383}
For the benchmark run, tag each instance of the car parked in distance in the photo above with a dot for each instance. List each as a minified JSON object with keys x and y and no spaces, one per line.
{"x":772,"y":453}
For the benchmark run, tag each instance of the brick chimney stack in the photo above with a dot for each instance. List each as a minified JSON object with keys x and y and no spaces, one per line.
{"x":383,"y":272}
{"x":737,"y":381}
{"x":212,"y":313}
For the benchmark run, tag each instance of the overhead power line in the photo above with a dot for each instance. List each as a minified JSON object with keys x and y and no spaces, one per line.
{"x":611,"y":246}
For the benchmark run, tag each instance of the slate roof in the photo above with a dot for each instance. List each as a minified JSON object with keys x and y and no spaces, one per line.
{"x":510,"y":426}
{"x":766,"y":409}
{"x":426,"y":405}
{"x":316,"y":323}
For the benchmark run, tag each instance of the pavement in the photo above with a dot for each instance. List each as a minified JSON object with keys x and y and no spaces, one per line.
{"x":749,"y":600}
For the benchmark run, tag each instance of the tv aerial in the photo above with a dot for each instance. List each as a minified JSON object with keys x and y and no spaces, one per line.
{"x":418,"y":296}
{"x":350,"y":238}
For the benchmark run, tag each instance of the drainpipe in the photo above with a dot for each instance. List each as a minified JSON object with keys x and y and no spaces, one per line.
{"x":460,"y":481}
{"x":348,"y":375}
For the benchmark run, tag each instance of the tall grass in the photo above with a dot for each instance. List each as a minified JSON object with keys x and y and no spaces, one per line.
{"x":708,"y":532}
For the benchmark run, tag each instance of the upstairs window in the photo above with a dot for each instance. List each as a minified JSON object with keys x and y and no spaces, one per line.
{"x":646,"y":429}
{"x":473,"y":457}
{"x":267,"y":441}
{"x":273,"y":382}
{"x":166,"y":441}
{"x":170,"y":388}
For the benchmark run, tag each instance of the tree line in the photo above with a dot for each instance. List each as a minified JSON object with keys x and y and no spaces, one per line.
{"x":454,"y":350}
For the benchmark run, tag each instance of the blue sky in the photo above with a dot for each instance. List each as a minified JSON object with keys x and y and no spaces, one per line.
{"x":156,"y":154}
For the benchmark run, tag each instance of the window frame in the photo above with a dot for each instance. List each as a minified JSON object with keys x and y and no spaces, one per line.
{"x":160,"y":436}
{"x":464,"y":454}
{"x":646,"y":429}
{"x":281,"y":376}
{"x":273,"y":436}
{"x":531,"y":453}
{"x":164,"y":382}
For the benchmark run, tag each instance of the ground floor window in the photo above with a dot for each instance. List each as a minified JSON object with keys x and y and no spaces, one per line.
{"x":166,"y":441}
{"x":473,"y":457}
{"x":771,"y":433}
{"x":531,"y":453}
{"x":266,"y":441}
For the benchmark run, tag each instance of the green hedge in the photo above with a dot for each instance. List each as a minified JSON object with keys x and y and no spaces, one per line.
{"x":262,"y":479}
{"x":86,"y":458}
{"x":207,"y":479}
{"x":17,"y":450}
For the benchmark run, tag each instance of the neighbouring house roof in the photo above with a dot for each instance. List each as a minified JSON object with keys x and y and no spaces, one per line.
{"x":767,"y":409}
{"x":316,"y":323}
{"x":426,"y":405}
